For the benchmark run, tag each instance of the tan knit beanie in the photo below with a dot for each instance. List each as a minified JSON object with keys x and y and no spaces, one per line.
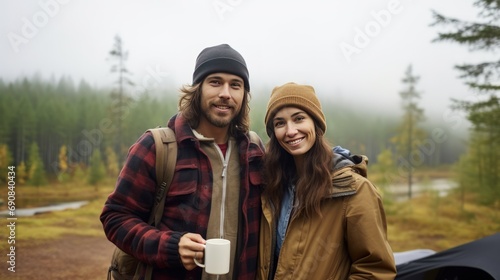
{"x":292,"y":94}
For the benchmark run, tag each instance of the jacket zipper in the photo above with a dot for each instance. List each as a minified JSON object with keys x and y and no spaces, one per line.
{"x":225,"y":161}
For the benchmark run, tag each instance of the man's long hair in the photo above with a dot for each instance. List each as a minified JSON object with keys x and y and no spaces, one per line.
{"x":190,"y":107}
{"x":313,"y":184}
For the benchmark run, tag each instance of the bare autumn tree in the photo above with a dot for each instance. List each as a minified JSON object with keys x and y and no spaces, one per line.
{"x":120,"y":101}
{"x":482,"y":35}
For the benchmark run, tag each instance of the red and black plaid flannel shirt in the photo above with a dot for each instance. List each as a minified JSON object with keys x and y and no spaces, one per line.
{"x":187,"y":206}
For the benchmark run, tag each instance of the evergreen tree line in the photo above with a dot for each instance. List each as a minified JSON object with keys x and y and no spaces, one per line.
{"x":66,"y":130}
{"x":57,"y":130}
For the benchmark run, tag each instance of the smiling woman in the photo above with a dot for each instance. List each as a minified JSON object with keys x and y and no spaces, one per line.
{"x":295,"y":109}
{"x":294,"y":130}
{"x":308,"y":182}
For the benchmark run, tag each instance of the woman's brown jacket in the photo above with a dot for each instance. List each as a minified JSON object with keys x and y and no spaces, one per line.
{"x":349,"y":241}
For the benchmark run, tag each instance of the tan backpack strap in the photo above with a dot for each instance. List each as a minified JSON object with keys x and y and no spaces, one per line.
{"x":166,"y":158}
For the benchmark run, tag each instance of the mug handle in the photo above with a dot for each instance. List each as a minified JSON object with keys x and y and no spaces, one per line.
{"x":196,"y":262}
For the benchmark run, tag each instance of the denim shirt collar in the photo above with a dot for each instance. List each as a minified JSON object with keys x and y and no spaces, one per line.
{"x":287,"y":204}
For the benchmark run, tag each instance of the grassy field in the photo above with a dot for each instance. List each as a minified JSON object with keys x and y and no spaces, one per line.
{"x":427,"y":221}
{"x":39,"y":228}
{"x":438,"y":223}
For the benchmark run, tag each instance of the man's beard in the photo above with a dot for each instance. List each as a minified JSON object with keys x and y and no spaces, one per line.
{"x":216,"y":121}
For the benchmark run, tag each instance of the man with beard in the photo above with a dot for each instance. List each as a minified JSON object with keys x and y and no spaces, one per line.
{"x":215,"y":192}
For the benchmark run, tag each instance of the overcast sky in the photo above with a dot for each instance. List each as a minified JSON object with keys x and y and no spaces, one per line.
{"x":349,"y":50}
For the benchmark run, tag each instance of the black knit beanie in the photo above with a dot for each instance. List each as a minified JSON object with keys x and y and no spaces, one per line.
{"x":221,"y":58}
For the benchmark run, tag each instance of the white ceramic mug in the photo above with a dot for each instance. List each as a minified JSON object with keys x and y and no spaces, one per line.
{"x":217,"y":255}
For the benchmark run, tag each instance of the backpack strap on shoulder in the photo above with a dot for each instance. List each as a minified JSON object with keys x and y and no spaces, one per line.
{"x":166,"y":157}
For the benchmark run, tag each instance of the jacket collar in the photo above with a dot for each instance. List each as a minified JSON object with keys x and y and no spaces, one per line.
{"x":343,"y":175}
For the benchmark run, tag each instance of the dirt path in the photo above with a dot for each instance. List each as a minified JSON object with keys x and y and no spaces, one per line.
{"x":70,"y":257}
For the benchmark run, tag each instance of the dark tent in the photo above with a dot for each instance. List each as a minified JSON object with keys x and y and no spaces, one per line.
{"x":477,"y":260}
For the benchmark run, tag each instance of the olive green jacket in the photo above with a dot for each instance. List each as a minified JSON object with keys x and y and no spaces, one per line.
{"x":349,"y":241}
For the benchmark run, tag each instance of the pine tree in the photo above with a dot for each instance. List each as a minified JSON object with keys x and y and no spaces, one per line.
{"x":21,"y":174}
{"x":478,"y":36}
{"x":409,"y":136}
{"x":112,"y":162}
{"x":62,"y":176}
{"x":97,"y":169}
{"x":36,"y":170}
{"x":80,"y":173}
{"x":484,"y":79}
{"x":120,"y":100}
{"x":385,"y":166}
{"x":5,"y":161}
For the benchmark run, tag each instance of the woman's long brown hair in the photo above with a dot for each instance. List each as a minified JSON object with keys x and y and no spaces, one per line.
{"x":311,"y":184}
